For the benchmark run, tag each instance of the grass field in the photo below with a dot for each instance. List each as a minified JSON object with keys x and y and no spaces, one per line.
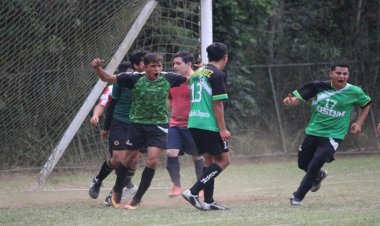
{"x":257,"y":193}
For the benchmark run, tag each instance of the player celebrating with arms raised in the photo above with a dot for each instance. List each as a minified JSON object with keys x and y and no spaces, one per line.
{"x":332,"y":106}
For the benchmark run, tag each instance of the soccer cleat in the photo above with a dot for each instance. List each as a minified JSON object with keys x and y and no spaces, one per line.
{"x":94,"y":188}
{"x":176,"y":191}
{"x":214,"y":206}
{"x":115,"y":199}
{"x":192,"y":199}
{"x":295,"y":201}
{"x":107,"y":200}
{"x":129,"y":192}
{"x":134,"y":204}
{"x":317,"y":183}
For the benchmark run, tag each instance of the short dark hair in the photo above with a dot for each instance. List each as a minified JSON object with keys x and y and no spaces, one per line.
{"x":186,"y":57}
{"x":137,"y":57}
{"x":216,"y":51}
{"x":124,"y":66}
{"x":153,"y":57}
{"x":341,"y":63}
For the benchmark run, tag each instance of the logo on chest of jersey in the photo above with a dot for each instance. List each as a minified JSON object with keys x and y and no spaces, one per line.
{"x":330,"y":112}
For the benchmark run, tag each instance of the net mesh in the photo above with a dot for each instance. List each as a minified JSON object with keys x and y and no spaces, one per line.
{"x":45,"y":73}
{"x":45,"y":50}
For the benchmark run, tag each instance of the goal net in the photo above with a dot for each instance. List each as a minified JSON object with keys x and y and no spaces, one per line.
{"x":46,"y":77}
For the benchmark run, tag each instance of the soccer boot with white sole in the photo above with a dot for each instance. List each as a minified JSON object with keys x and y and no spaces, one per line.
{"x":214,"y":206}
{"x":192,"y":199}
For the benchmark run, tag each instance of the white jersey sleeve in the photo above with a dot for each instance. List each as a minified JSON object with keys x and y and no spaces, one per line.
{"x":106,"y":96}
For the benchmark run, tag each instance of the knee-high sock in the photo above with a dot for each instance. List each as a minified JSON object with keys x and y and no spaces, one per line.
{"x":210,"y":173}
{"x":209,"y":191}
{"x":199,"y":165}
{"x":146,"y":180}
{"x":121,"y":172}
{"x":105,"y":170}
{"x":173,"y":167}
{"x":128,"y":180}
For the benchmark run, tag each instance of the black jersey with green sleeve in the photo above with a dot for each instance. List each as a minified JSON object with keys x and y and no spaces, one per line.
{"x":331,"y":108}
{"x":123,"y":96}
{"x":149,"y":98}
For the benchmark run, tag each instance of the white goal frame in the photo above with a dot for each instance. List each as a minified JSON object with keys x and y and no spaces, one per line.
{"x":206,"y":39}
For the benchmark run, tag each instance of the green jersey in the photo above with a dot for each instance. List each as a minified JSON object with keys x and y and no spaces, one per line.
{"x":149,"y":98}
{"x":207,"y":84}
{"x":124,"y":102}
{"x":331,"y":108}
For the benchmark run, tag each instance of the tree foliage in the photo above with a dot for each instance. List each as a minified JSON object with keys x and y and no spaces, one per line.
{"x":260,"y":32}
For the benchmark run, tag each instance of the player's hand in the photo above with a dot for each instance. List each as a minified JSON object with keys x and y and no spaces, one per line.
{"x":378,"y":128}
{"x":96,"y":63}
{"x":94,"y":120}
{"x":356,"y":128}
{"x":225,"y":135}
{"x":290,"y":100}
{"x":104,"y":133}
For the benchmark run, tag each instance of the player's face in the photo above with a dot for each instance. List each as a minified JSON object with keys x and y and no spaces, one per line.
{"x":140,"y":67}
{"x":339,"y":77}
{"x":153,"y":70}
{"x":179,"y":66}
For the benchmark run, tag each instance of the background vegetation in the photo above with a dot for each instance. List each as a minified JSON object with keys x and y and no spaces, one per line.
{"x":275,"y":46}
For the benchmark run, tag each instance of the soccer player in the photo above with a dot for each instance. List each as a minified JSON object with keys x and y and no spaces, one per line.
{"x":207,"y":126}
{"x":148,"y":119}
{"x":106,"y":97}
{"x":124,"y":107}
{"x":109,"y":164}
{"x":116,"y":122}
{"x":179,"y":138}
{"x":332,"y":104}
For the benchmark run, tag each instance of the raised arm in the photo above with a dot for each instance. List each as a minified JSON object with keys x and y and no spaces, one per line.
{"x":291,"y":101}
{"x":103,"y":75}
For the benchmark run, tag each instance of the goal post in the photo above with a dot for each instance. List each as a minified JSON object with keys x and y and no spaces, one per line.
{"x":48,"y":87}
{"x":96,"y":91}
{"x":206,"y":28}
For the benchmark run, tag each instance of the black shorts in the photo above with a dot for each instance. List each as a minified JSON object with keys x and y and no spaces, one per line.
{"x":118,"y":136}
{"x":141,"y":136}
{"x":322,"y":148}
{"x":208,"y":141}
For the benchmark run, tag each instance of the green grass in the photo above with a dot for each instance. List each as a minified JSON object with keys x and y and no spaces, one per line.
{"x":258,"y":194}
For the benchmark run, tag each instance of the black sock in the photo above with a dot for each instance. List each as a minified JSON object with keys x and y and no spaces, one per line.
{"x":105,"y":170}
{"x":121,"y":172}
{"x":146,"y":180}
{"x":209,"y":191}
{"x":130,"y":174}
{"x":210,"y":173}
